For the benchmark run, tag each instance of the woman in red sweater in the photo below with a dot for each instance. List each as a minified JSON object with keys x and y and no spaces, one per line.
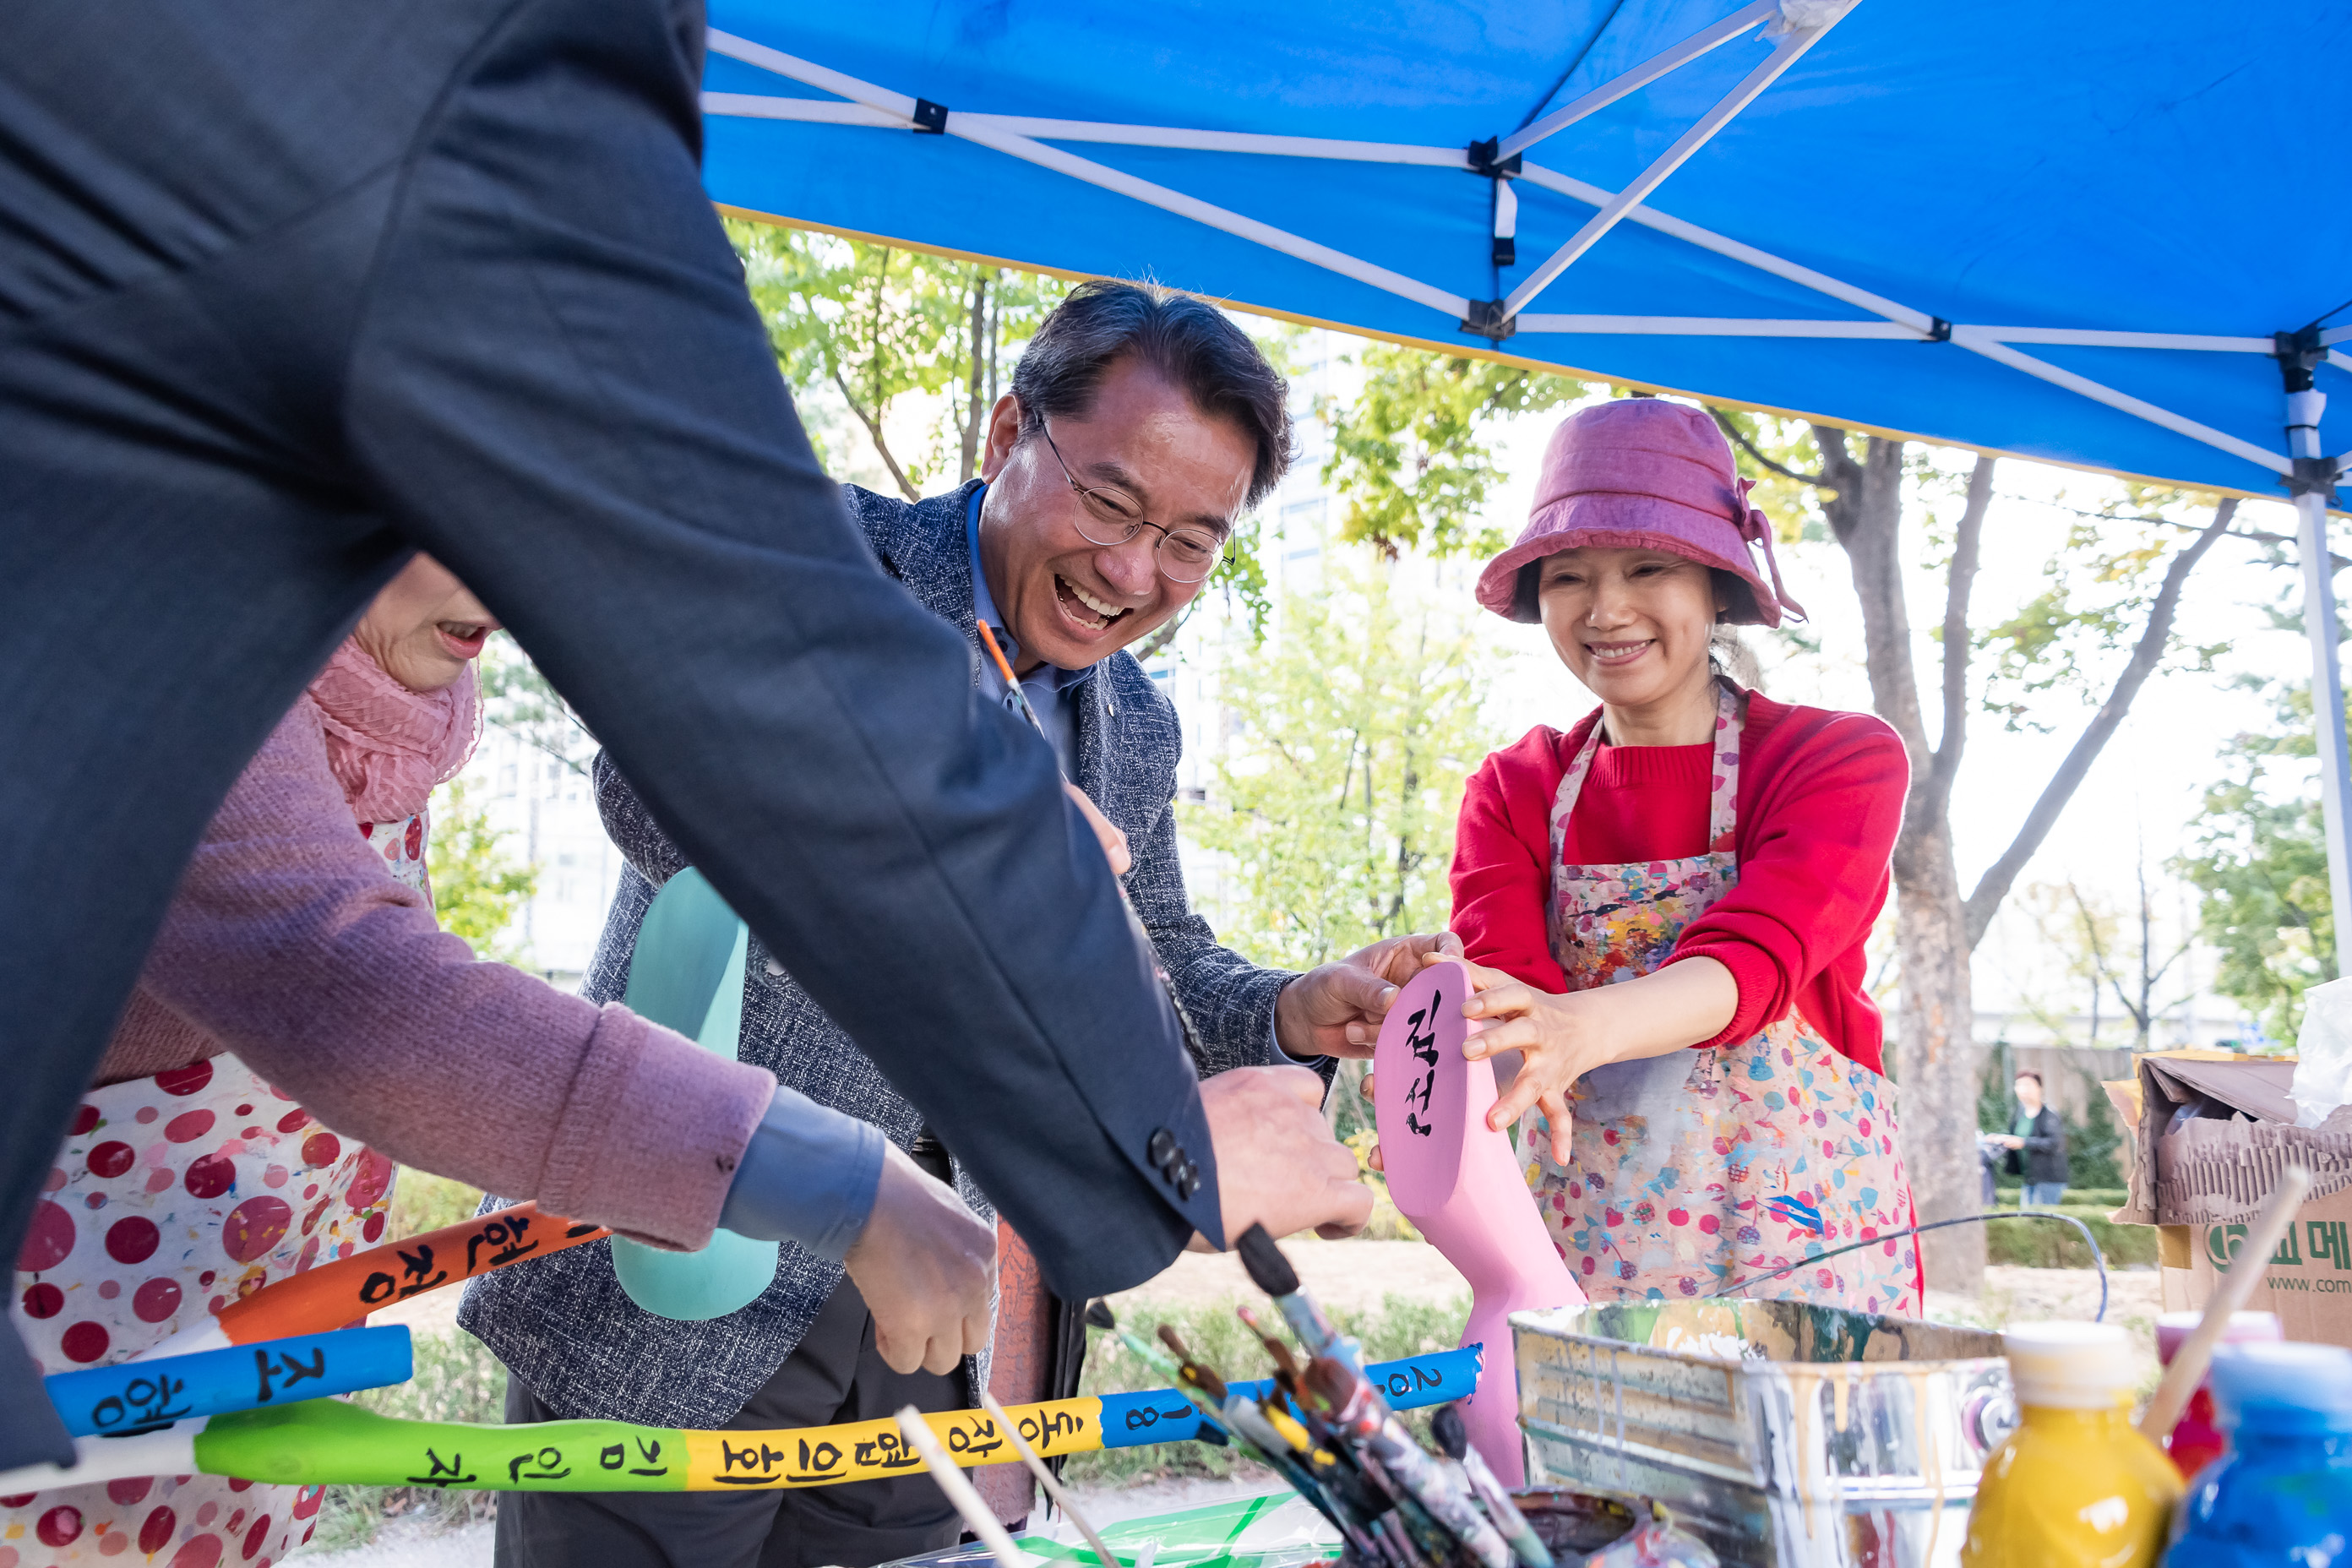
{"x":1668,"y":903}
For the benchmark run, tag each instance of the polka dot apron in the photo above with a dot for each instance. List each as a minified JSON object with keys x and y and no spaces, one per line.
{"x":1699,"y":1168}
{"x":172,"y":1196}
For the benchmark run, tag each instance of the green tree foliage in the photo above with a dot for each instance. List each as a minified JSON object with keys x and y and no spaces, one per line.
{"x":2259,"y":861}
{"x":1409,"y":456}
{"x":477,"y":886}
{"x":1335,"y":799}
{"x":877,"y":325}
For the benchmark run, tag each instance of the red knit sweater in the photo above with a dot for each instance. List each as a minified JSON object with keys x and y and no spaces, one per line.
{"x":1820,"y":798}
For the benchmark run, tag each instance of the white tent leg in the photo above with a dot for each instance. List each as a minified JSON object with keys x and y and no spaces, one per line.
{"x":2327,"y":706}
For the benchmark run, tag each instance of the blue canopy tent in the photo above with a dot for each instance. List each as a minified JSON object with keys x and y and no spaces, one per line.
{"x":2084,"y":235}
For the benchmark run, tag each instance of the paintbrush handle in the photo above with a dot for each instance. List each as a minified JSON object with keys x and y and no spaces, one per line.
{"x":2189,"y":1364}
{"x":976,"y":1513}
{"x":1044,"y":1476}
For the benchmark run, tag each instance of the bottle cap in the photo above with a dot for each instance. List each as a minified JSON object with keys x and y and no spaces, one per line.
{"x":2070,"y":1366}
{"x":2173,"y":1328}
{"x":2292,"y":1387}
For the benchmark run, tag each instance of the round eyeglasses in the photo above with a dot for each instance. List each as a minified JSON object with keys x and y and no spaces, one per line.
{"x":1184,"y":554}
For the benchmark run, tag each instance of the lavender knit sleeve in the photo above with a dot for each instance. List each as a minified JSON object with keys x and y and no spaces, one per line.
{"x":289,"y":942}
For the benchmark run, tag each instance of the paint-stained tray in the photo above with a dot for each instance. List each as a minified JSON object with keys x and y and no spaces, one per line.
{"x":1780,"y":1433}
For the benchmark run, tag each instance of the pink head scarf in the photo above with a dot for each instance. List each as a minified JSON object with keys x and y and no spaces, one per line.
{"x":1641,"y":473}
{"x":388,"y":745}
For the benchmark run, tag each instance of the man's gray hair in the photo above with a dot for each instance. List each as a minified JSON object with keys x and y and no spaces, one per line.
{"x":1184,"y":338}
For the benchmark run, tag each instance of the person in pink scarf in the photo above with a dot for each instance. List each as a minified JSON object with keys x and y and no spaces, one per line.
{"x":302,"y":1023}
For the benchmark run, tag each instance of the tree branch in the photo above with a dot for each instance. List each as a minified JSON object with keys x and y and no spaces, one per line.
{"x":1968,"y":542}
{"x":1749,"y":446}
{"x":1997,"y":881}
{"x":874,"y":428}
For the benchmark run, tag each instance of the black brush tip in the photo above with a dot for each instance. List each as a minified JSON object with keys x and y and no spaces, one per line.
{"x":1099,"y":1315}
{"x":1453,"y":1434}
{"x":1265,"y":1263}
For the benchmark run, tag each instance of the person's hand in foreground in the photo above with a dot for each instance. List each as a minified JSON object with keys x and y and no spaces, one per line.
{"x":1560,"y":1039}
{"x":1336,"y":1010}
{"x":1277,"y":1163}
{"x":1106,"y":833}
{"x":927,"y":1267}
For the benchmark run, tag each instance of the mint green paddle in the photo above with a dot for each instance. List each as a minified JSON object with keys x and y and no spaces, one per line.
{"x":688,"y":975}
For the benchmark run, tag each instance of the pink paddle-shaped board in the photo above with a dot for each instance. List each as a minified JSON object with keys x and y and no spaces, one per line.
{"x":1461,"y":1184}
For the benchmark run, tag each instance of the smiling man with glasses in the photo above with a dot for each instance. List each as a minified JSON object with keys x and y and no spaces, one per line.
{"x":1141,"y":425}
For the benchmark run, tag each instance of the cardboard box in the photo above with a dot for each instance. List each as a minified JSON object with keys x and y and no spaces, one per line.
{"x":2213,"y":1138}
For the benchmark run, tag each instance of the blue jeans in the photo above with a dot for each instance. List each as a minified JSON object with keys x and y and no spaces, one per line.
{"x":2041,"y":1195}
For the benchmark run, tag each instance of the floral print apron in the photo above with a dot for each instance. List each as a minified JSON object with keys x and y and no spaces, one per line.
{"x":173,"y":1195}
{"x":1696,"y":1170}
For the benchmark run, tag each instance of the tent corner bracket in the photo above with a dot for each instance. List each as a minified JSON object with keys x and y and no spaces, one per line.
{"x":1479,"y":159}
{"x":2314,"y":475}
{"x":1489,"y":320}
{"x":930,"y":119}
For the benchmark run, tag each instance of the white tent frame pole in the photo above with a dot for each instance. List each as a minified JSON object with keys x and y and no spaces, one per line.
{"x":1093,"y":173}
{"x":2001,"y":354}
{"x":878,"y":107}
{"x":2320,"y":624}
{"x":1640,"y":76}
{"x":1786,"y":53}
{"x":1218,"y":217}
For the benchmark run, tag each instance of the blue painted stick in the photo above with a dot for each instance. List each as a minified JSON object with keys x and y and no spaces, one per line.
{"x":139,"y":1396}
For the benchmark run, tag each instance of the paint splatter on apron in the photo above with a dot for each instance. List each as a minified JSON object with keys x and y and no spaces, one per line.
{"x":1698,"y":1168}
{"x":172,"y":1196}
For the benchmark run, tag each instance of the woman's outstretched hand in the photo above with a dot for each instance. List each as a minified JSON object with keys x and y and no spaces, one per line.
{"x":1560,"y":1039}
{"x":1556,"y":1040}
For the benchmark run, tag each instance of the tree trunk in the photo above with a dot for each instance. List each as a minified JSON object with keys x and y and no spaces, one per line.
{"x":976,"y":411}
{"x":1936,"y":1061}
{"x":1934,"y":1056}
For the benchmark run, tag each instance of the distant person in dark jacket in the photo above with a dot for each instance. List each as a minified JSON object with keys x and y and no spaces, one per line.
{"x":2037,"y":1145}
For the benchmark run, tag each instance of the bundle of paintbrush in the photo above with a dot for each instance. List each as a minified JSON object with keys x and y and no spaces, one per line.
{"x":1323,"y":1427}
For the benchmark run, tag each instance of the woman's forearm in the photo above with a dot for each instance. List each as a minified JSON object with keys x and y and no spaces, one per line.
{"x":1680,"y":1006}
{"x":1670,"y":1009}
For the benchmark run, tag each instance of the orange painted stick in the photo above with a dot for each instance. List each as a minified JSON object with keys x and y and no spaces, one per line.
{"x":333,"y":1294}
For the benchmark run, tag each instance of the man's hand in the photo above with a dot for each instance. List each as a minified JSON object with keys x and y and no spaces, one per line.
{"x":927,"y":1267}
{"x":1106,"y":833}
{"x":1277,"y":1163}
{"x":1336,"y":1011}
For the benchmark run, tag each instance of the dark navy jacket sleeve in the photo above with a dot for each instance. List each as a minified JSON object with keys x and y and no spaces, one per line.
{"x":557,"y":386}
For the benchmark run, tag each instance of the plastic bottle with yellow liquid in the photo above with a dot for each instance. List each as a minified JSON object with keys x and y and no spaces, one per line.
{"x":2075,"y":1486}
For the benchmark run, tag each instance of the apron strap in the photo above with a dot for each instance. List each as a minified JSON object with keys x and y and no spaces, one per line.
{"x":1723,"y":795}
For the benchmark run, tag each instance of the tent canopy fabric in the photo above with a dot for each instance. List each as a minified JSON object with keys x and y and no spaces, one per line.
{"x":1929,"y":221}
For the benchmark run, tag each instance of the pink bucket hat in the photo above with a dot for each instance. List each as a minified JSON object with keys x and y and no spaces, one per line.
{"x":1641,"y":473}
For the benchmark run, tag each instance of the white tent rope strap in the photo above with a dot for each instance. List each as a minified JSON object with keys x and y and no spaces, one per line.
{"x":872,"y":105}
{"x":1640,"y":76}
{"x":2334,"y":335}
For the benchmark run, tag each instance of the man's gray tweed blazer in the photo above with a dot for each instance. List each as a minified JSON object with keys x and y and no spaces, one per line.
{"x":563,"y":1324}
